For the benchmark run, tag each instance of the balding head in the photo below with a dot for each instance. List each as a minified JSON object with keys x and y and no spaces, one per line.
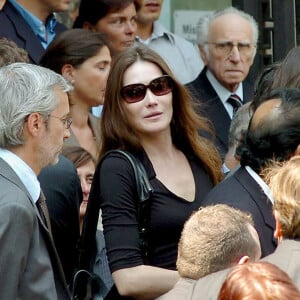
{"x":266,"y":114}
{"x":274,"y":130}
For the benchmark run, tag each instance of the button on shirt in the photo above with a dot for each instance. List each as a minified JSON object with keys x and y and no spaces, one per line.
{"x":223,"y":93}
{"x":45,"y":32}
{"x":23,"y":171}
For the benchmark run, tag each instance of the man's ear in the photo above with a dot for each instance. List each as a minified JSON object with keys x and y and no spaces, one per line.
{"x":203,"y":54}
{"x":278,"y":231}
{"x":297,"y":151}
{"x":34,"y":122}
{"x":88,"y":26}
{"x":244,"y":259}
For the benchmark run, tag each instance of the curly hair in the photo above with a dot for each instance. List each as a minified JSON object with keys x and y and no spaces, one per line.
{"x":283,"y":179}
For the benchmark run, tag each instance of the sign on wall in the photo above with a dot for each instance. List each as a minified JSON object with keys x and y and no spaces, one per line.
{"x":186,"y":21}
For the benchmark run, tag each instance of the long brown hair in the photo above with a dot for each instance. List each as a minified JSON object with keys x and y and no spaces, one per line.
{"x":185,"y":126}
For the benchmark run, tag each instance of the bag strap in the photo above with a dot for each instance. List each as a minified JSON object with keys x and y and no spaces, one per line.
{"x":87,"y":242}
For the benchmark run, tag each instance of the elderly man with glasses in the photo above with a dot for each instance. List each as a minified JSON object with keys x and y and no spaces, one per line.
{"x":227,"y":41}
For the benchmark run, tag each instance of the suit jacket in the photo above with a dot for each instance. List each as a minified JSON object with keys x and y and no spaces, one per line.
{"x":14,"y":27}
{"x":208,"y":287}
{"x":61,"y":186}
{"x":213,"y":109}
{"x":205,"y":288}
{"x":286,"y":257}
{"x":28,"y":259}
{"x":183,"y":289}
{"x":241,"y":191}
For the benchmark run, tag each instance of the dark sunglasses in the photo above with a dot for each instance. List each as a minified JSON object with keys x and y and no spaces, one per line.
{"x":136,"y":92}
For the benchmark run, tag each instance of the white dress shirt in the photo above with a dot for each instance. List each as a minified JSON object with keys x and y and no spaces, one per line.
{"x":23,"y":171}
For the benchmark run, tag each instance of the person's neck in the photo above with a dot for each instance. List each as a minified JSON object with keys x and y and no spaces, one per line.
{"x":158,"y":145}
{"x":27,"y":153}
{"x":144,"y":30}
{"x":36,"y":8}
{"x":80,"y":115}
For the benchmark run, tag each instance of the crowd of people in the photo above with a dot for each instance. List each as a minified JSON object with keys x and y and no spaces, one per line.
{"x":222,"y":154}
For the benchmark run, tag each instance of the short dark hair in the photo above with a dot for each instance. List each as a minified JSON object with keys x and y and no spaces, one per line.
{"x":276,"y":136}
{"x":94,"y":10}
{"x":263,"y":84}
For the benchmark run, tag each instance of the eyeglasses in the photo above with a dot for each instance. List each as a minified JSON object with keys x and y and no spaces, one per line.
{"x":66,"y":121}
{"x":136,"y":92}
{"x":225,"y":48}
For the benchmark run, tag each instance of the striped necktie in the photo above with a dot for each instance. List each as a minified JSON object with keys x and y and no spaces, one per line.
{"x":235,"y":101}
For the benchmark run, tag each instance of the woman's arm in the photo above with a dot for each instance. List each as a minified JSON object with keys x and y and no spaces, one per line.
{"x":118,"y":203}
{"x":144,"y":282}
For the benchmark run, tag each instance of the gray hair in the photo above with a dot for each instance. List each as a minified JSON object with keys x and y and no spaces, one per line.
{"x":205,"y":22}
{"x":24,"y":89}
{"x":239,"y":124}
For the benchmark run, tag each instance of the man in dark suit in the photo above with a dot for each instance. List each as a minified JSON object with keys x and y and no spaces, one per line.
{"x":31,"y":24}
{"x":273,"y":133}
{"x":31,"y":137}
{"x":228,"y":55}
{"x":284,"y":182}
{"x":61,"y":186}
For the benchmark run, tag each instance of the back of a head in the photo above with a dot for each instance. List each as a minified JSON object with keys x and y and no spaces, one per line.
{"x":288,"y":73}
{"x":284,"y":182}
{"x":264,"y":83}
{"x":11,"y":53}
{"x":259,"y":281}
{"x":24,"y":89}
{"x":239,"y":124}
{"x":274,"y":130}
{"x":215,"y":238}
{"x":92,"y":11}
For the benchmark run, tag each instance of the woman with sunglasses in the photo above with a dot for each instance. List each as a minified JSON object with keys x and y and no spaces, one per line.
{"x":148,"y":113}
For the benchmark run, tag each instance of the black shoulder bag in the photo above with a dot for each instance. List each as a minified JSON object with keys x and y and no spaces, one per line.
{"x":87,"y":285}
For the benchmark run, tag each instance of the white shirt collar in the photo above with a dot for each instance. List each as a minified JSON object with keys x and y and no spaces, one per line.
{"x":23,"y":171}
{"x":223,"y":93}
{"x":261,"y":183}
{"x":158,"y":31}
